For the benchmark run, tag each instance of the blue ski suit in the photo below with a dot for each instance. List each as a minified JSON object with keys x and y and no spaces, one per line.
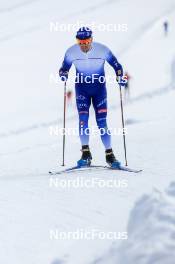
{"x":90,"y":86}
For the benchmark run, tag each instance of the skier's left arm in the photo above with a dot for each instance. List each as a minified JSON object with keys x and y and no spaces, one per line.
{"x":112,"y":60}
{"x":66,"y":65}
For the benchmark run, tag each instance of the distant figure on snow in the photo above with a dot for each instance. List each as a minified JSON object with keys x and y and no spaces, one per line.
{"x":127,"y":86}
{"x":69,"y":97}
{"x":165,"y":27}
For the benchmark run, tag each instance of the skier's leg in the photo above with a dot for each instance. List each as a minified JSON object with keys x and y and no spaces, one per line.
{"x":100,"y":106}
{"x":83,"y":102}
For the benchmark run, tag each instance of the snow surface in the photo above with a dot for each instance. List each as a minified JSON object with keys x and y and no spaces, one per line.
{"x":30,"y":103}
{"x":151,"y":230}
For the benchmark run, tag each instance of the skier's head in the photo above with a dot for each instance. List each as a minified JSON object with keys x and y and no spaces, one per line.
{"x":84,"y":38}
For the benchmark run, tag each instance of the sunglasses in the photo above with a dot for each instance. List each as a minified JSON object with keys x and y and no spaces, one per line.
{"x":84,"y":41}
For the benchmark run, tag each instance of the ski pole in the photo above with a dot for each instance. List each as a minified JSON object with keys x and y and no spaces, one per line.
{"x":64,"y":123}
{"x":123,"y":125}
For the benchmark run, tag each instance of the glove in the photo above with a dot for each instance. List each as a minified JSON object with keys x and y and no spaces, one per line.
{"x":63,"y":75}
{"x":119,"y":71}
{"x":121,"y":79}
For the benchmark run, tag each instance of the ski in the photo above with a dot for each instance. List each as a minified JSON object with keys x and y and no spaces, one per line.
{"x":93,"y":167}
{"x":76,"y":168}
{"x":125,"y":168}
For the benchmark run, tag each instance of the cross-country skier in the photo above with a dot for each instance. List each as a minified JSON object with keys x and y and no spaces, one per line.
{"x":88,"y":58}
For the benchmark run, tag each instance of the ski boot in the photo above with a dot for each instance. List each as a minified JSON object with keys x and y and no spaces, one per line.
{"x":111,"y":159}
{"x":86,"y":157}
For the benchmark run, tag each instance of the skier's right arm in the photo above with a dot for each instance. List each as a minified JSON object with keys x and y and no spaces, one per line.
{"x":64,"y":70}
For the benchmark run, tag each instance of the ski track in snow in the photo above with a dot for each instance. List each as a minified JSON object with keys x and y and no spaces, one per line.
{"x":17,"y":6}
